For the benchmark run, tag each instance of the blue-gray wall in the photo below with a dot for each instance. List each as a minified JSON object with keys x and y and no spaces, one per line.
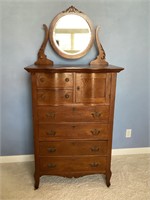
{"x":124,"y":35}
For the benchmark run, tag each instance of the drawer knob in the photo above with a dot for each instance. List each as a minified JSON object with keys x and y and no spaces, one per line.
{"x":51,"y":133}
{"x":50,"y":115}
{"x":96,"y":115}
{"x":42,"y":79}
{"x":66,"y":96}
{"x":78,"y":88}
{"x":51,"y":165}
{"x":95,"y":132}
{"x":95,"y":149}
{"x":42,"y":96}
{"x":94,"y":164}
{"x":74,"y":109}
{"x":67,"y":79}
{"x":51,"y":149}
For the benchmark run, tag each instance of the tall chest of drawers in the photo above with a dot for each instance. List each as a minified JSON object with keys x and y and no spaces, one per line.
{"x":73,"y":109}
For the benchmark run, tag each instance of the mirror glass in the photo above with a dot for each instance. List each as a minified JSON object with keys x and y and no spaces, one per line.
{"x":71,"y":34}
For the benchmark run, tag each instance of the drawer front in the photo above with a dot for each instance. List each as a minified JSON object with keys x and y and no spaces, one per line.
{"x":51,"y":96}
{"x":73,"y":148}
{"x":74,"y":113}
{"x":73,"y":130}
{"x":73,"y":164}
{"x":54,"y":80}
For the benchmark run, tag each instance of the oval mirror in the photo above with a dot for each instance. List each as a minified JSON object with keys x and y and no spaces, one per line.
{"x":71,"y":33}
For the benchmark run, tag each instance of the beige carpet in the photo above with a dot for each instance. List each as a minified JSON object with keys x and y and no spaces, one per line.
{"x":130,"y":181}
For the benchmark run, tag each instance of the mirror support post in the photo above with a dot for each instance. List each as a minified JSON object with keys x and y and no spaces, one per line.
{"x":42,"y":58}
{"x":100,"y":60}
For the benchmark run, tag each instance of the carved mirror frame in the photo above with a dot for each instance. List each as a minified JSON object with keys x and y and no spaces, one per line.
{"x":73,"y":12}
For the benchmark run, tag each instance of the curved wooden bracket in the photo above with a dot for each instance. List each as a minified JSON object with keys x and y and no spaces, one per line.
{"x":42,"y":58}
{"x":100,"y":60}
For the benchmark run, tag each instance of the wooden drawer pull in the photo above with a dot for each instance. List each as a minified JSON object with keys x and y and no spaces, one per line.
{"x":50,"y":115}
{"x":51,"y":149}
{"x":51,"y":133}
{"x":94,"y":164}
{"x":96,"y":115}
{"x":51,"y":165}
{"x":67,"y":79}
{"x":95,"y":132}
{"x":95,"y":149}
{"x":66,"y":96}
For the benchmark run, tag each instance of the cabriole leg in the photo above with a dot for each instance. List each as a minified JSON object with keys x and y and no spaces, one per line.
{"x":108,"y":176}
{"x":37,"y":180}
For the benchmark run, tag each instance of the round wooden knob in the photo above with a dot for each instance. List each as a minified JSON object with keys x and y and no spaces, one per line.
{"x":67,"y":79}
{"x":66,"y":96}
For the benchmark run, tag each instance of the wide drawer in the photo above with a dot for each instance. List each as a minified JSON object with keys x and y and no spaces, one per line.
{"x":74,"y":114}
{"x":73,"y":131}
{"x":54,"y":80}
{"x":72,"y":164}
{"x":73,"y":148}
{"x":54,"y":96}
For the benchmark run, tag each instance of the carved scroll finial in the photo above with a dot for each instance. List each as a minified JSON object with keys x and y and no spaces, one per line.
{"x":72,"y":9}
{"x":100,"y":60}
{"x":42,"y":58}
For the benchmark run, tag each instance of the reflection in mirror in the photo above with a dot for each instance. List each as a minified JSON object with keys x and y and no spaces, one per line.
{"x":72,"y":34}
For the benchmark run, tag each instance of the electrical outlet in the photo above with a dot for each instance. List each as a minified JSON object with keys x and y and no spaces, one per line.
{"x":128,"y":133}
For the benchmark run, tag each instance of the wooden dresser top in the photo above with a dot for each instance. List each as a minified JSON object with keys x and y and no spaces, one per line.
{"x":74,"y":68}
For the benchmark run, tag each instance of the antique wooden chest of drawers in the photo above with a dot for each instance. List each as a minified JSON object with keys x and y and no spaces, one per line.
{"x":73,"y":111}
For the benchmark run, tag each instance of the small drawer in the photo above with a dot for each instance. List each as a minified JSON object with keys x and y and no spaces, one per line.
{"x":94,"y":131}
{"x":73,"y":148}
{"x":52,"y":165}
{"x":54,"y":80}
{"x":74,"y":114}
{"x":54,"y":96}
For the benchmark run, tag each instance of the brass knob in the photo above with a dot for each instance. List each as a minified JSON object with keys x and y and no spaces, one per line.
{"x":66,"y":96}
{"x":95,"y":149}
{"x":95,"y":132}
{"x":51,"y":133}
{"x":50,"y":115}
{"x":96,"y":115}
{"x":67,"y":79}
{"x":51,"y":149}
{"x":94,"y":164}
{"x":51,"y":165}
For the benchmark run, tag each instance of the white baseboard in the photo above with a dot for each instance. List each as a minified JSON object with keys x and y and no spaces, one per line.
{"x":18,"y":158}
{"x":27,"y":158}
{"x":130,"y":151}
